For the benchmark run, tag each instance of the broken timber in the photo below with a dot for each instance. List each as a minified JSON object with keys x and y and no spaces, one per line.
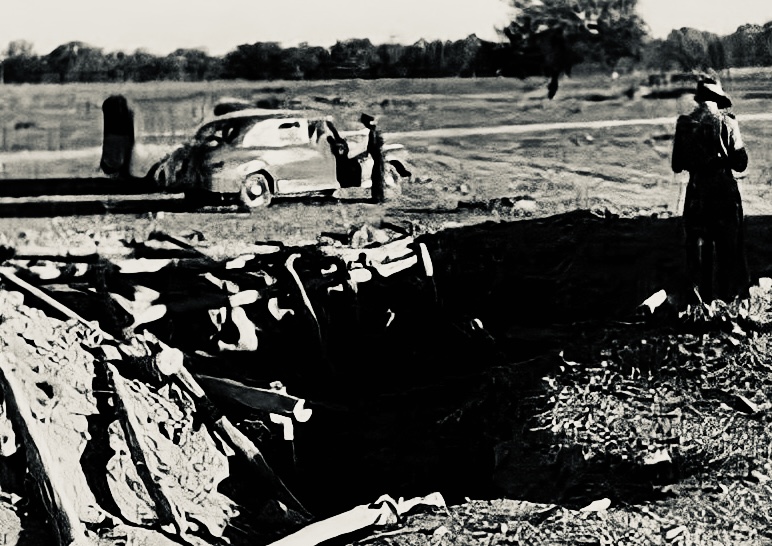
{"x":64,"y":491}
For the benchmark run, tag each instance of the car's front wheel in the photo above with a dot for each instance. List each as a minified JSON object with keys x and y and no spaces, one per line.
{"x":255,"y":191}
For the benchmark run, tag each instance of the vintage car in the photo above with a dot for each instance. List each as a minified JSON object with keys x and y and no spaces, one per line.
{"x":252,"y":155}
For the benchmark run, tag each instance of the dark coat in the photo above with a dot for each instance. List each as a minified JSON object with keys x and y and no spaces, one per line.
{"x":708,"y":145}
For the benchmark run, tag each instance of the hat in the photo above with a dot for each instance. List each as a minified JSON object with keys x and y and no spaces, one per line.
{"x":709,"y":89}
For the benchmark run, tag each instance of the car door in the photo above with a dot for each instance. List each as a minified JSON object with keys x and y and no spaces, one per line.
{"x":297,"y":162}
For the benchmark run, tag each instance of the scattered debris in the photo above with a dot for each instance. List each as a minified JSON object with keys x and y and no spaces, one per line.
{"x":655,"y":300}
{"x":384,"y":511}
{"x":597,"y":506}
{"x":165,"y":467}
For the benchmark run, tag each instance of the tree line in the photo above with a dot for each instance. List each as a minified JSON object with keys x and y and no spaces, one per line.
{"x":546,"y":37}
{"x":354,"y":58}
{"x":691,"y":49}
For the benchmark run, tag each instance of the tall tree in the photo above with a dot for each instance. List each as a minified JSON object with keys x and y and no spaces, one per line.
{"x":551,"y":36}
{"x":77,"y":61}
{"x":691,"y":49}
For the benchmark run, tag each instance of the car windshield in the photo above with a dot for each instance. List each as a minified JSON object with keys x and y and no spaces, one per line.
{"x":230,"y":131}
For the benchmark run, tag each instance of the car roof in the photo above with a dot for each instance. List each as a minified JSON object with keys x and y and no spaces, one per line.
{"x":259,"y":113}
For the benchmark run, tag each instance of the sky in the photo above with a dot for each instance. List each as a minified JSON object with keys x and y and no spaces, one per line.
{"x":218,"y":26}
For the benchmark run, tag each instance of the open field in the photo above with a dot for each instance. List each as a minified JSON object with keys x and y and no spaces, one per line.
{"x":624,"y":168}
{"x":548,"y":238}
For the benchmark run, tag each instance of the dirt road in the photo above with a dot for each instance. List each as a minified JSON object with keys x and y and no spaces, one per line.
{"x":544,"y":127}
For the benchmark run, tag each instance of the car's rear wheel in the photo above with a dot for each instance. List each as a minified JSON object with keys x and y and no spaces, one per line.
{"x":255,"y":191}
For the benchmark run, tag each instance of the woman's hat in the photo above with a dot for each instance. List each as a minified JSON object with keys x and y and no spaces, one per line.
{"x":709,"y":89}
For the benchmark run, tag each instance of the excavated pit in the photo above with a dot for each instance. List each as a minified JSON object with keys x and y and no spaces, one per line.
{"x":410,"y":376}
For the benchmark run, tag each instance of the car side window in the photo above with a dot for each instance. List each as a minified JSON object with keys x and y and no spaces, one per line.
{"x":277,"y":133}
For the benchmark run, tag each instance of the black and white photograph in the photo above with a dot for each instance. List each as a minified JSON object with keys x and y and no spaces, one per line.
{"x":386,"y":273}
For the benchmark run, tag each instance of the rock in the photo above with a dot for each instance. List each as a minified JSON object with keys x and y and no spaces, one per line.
{"x":597,"y":506}
{"x":10,"y":525}
{"x":658,"y":456}
{"x":368,"y":235}
{"x":528,"y":206}
{"x":440,"y":531}
{"x":655,"y":300}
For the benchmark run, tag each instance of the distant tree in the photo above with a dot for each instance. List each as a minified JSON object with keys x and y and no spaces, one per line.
{"x":461,"y":56}
{"x":691,"y":49}
{"x":258,"y":61}
{"x":20,"y":64}
{"x":290,"y":61}
{"x":303,"y":63}
{"x":621,"y":33}
{"x":766,"y":46}
{"x":77,"y":62}
{"x":652,"y":55}
{"x":688,"y":47}
{"x":196,"y":65}
{"x":717,"y":56}
{"x":353,"y":58}
{"x":114,"y":62}
{"x":141,"y":66}
{"x":388,"y":61}
{"x":750,"y":45}
{"x":415,"y":60}
{"x":316,"y":62}
{"x":551,"y":36}
{"x":20,"y":48}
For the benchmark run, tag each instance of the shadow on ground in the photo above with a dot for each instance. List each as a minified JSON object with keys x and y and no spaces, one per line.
{"x":413,"y":372}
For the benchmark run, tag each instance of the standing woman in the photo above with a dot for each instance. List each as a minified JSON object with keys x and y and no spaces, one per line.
{"x":708,"y":145}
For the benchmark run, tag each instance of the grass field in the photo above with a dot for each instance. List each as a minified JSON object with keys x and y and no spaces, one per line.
{"x":50,"y":131}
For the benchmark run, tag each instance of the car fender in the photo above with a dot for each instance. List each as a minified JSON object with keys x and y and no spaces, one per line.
{"x":230,"y":177}
{"x":252,"y":166}
{"x":168,"y":175}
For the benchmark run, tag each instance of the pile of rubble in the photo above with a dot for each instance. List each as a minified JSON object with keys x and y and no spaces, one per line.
{"x":198,"y":300}
{"x":119,"y":439}
{"x":122,"y":442}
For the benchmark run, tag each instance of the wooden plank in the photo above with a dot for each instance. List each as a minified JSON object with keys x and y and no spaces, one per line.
{"x":41,"y":462}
